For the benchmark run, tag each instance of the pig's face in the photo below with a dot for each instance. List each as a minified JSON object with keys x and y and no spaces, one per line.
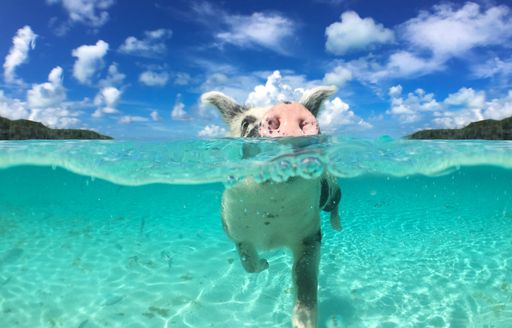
{"x":286,"y":119}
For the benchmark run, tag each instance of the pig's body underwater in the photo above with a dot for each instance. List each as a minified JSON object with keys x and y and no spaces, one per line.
{"x":262,"y":216}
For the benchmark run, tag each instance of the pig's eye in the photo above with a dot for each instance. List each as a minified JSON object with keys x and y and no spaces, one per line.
{"x":244,"y":126}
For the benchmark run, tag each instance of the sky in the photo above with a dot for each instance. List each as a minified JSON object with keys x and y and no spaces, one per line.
{"x":136,"y":69}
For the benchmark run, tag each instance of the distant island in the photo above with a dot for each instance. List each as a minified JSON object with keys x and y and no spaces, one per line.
{"x":26,"y":129}
{"x":485,"y":129}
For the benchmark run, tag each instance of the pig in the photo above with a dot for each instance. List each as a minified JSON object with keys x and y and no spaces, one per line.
{"x":268,"y":215}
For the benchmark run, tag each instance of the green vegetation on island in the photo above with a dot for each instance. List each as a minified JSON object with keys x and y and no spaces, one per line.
{"x":485,"y":129}
{"x":26,"y":129}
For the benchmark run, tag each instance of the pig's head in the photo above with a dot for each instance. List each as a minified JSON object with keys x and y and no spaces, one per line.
{"x":286,"y":119}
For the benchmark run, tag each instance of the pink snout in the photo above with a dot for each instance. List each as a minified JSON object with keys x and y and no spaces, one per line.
{"x":288,"y":120}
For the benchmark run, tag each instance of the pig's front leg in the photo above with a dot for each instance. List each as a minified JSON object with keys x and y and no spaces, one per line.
{"x":330,"y":199}
{"x":306,"y":259}
{"x":250,"y":258}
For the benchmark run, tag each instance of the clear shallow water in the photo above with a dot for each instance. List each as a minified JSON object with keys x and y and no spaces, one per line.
{"x":89,"y":243}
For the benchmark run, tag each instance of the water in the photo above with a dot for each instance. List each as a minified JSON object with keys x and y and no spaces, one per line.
{"x":128,"y":234}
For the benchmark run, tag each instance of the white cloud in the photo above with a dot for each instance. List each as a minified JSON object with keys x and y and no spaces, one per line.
{"x":337,"y":113}
{"x":22,"y":42}
{"x":354,"y":33}
{"x":395,"y":91}
{"x":466,"y":97}
{"x":405,"y":63}
{"x":151,"y":78}
{"x":339,"y":76}
{"x":451,"y":32}
{"x":212,"y":131}
{"x":154,"y":116}
{"x":493,"y":67}
{"x":48,"y":94}
{"x":55,"y":117}
{"x":152,"y":45}
{"x":13,"y":109}
{"x":410,"y":109}
{"x":178,"y":110}
{"x":92,"y":13}
{"x":471,"y":106}
{"x":455,"y":111}
{"x":46,"y":103}
{"x":89,"y":60}
{"x":114,"y":77}
{"x":275,"y":90}
{"x":270,"y":31}
{"x":430,"y":40}
{"x":400,"y":64}
{"x":106,"y":101}
{"x":127,"y":119}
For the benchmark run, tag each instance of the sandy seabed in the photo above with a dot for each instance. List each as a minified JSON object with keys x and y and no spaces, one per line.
{"x":414,"y":252}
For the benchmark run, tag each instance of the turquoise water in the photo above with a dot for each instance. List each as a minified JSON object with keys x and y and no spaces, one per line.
{"x":128,"y":234}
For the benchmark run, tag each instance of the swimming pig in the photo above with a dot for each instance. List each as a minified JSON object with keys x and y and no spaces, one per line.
{"x":262,"y":216}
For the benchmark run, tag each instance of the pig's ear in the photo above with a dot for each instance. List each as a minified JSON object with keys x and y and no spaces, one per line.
{"x":313,"y":99}
{"x":227,"y":106}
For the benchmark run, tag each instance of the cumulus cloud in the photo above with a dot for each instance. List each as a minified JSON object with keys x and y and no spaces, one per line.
{"x":178,"y":110}
{"x":151,"y":78}
{"x":451,"y":32}
{"x":13,"y":108}
{"x":354,"y":33}
{"x":269,"y":31}
{"x":48,"y":94}
{"x":114,"y":77}
{"x":272,"y":31}
{"x":424,"y":46}
{"x":455,"y":111}
{"x":273,"y":91}
{"x":89,"y":59}
{"x":106,"y":101}
{"x":493,"y":67}
{"x":338,"y":76}
{"x":409,"y":109}
{"x":154,"y":116}
{"x":46,"y":103}
{"x":150,"y":46}
{"x":337,"y":113}
{"x":55,"y":117}
{"x":92,"y":13}
{"x":466,"y":97}
{"x":22,"y":43}
{"x":212,"y":131}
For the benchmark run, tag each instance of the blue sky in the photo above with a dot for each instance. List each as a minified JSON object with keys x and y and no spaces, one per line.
{"x":136,"y":69}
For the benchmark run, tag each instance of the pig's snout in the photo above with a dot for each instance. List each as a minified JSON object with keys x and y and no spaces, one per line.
{"x":288,"y":120}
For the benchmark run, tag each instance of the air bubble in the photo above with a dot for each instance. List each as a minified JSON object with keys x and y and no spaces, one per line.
{"x":262,"y":176}
{"x":310,"y":167}
{"x":283,"y":170}
{"x":231,"y":180}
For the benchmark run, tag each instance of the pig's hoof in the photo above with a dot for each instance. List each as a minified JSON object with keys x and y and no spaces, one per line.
{"x":336,"y":222}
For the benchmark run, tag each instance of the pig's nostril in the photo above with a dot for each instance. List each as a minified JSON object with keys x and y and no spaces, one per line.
{"x":273,"y":123}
